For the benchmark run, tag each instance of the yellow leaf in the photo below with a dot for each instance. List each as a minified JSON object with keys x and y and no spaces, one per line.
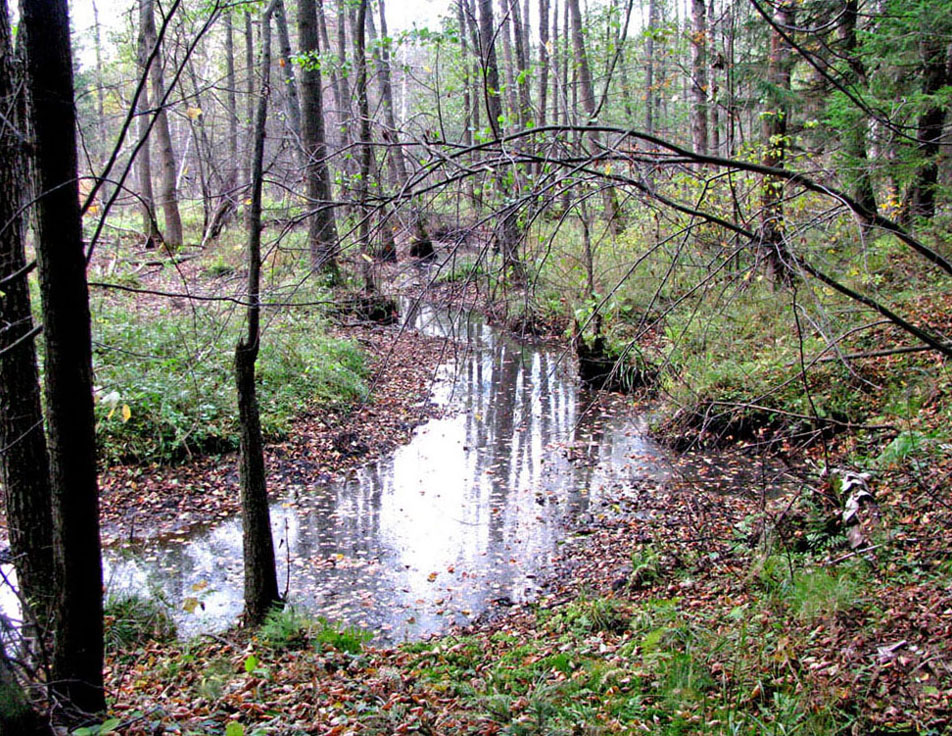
{"x":200,"y":586}
{"x":126,"y":413}
{"x":194,"y":113}
{"x":431,"y":577}
{"x":190,"y":604}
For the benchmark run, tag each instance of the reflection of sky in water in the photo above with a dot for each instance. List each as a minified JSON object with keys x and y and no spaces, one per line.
{"x":469,"y":511}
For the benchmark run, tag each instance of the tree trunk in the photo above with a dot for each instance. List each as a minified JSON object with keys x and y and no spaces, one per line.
{"x":227,"y":203}
{"x":509,"y":64}
{"x":322,"y":230}
{"x":78,"y":626}
{"x":247,"y":154}
{"x":522,"y":66}
{"x":651,"y":92}
{"x":261,"y":583}
{"x":715,"y":64}
{"x":699,"y":85}
{"x":343,"y":111}
{"x":294,"y":105}
{"x":366,"y":146}
{"x":24,"y":464}
{"x":146,"y":200}
{"x":507,"y":235}
{"x":543,"y":60}
{"x":587,"y":94}
{"x":325,"y":43}
{"x":855,"y":137}
{"x":168,"y":199}
{"x":772,"y":228}
{"x":933,"y":50}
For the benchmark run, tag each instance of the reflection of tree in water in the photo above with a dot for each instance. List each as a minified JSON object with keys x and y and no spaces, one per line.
{"x":479,"y":488}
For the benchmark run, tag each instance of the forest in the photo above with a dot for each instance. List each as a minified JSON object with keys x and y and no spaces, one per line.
{"x":475,"y":367}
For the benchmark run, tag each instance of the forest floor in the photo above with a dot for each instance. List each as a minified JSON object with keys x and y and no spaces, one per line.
{"x":724,"y":598}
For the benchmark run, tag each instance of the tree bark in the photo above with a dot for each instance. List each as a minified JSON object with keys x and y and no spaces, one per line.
{"x":78,"y":626}
{"x":772,"y":226}
{"x":855,"y":137}
{"x":699,"y":83}
{"x":322,"y":230}
{"x":146,"y":200}
{"x":227,"y":203}
{"x":522,"y":65}
{"x":261,"y":583}
{"x":24,"y":464}
{"x":587,"y":95}
{"x":543,"y":60}
{"x":933,"y":50}
{"x":507,"y":235}
{"x":325,"y":43}
{"x":366,"y":147}
{"x":651,"y":93}
{"x":294,"y":104}
{"x":167,"y":199}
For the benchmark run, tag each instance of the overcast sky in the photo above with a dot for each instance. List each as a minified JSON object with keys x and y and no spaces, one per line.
{"x":401,"y":15}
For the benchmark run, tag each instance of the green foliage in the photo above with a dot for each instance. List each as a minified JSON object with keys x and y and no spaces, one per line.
{"x":166,"y":387}
{"x":820,"y":593}
{"x":346,"y":639}
{"x":285,"y":628}
{"x":594,"y":615}
{"x":131,"y":621}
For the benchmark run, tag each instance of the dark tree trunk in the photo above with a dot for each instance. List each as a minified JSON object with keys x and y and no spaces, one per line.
{"x":168,"y":199}
{"x":261,"y":583}
{"x":922,"y":195}
{"x":322,"y":230}
{"x":78,"y":626}
{"x":24,"y":464}
{"x":854,"y":143}
{"x":772,"y":226}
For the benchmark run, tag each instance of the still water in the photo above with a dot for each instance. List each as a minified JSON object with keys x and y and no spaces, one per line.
{"x":467,"y":515}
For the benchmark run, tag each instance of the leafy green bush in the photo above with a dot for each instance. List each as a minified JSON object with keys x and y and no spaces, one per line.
{"x":285,"y":628}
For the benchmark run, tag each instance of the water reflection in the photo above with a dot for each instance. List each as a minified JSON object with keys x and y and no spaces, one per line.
{"x":470,"y":511}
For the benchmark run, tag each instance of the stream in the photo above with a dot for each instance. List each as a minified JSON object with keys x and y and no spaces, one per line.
{"x":469,"y":514}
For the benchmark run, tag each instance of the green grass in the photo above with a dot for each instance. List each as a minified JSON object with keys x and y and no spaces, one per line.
{"x":165,"y":381}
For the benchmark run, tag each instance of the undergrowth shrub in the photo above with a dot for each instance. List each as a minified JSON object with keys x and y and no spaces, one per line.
{"x":131,"y":620}
{"x":165,"y":382}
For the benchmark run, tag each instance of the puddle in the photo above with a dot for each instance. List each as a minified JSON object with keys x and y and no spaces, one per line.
{"x":470,"y":511}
